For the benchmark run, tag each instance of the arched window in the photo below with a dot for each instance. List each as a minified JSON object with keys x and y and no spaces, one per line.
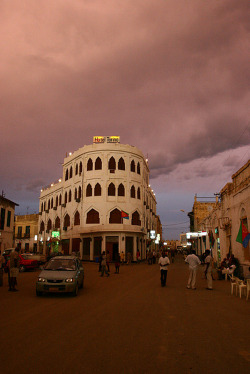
{"x":57,"y":201}
{"x":60,"y":199}
{"x":121,"y":164}
{"x":49,"y":225}
{"x":49,"y":205}
{"x":138,"y":193}
{"x":70,"y":195}
{"x":136,"y":219}
{"x":93,"y":216}
{"x":42,"y":226}
{"x":65,"y":198}
{"x":90,"y":164}
{"x":132,"y":192}
{"x":66,"y":222}
{"x":42,"y":207}
{"x":98,"y":190}
{"x":89,"y":190}
{"x":57,"y":223}
{"x":79,"y":192}
{"x":52,"y":203}
{"x":138,"y":168}
{"x":112,"y":164}
{"x":76,"y":169}
{"x":121,"y":190}
{"x":115,"y":216}
{"x":80,"y":168}
{"x":76,"y":219}
{"x":75,"y":193}
{"x":71,"y":172}
{"x":132,"y":166}
{"x":111,"y":189}
{"x":66,"y":175}
{"x":98,"y":164}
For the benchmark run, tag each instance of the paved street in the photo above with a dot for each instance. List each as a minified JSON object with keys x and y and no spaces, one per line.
{"x":125,"y":323}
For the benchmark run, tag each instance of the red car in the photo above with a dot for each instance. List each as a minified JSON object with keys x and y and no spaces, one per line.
{"x":26,"y":263}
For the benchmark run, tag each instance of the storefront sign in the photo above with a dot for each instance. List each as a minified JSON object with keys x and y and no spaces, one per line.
{"x":55,"y":234}
{"x":152,"y":234}
{"x":98,"y":139}
{"x":106,"y":139}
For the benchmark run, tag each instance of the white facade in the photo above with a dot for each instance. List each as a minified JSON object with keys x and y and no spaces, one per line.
{"x":99,"y":181}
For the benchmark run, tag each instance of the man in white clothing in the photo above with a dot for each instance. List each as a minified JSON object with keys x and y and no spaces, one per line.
{"x":163,"y":262}
{"x":193,"y":262}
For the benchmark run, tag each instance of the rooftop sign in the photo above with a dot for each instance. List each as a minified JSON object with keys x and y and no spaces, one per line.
{"x":106,"y":139}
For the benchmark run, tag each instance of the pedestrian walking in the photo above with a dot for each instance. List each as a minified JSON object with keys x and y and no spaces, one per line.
{"x":208,"y":270}
{"x":104,"y":263}
{"x":1,"y":269}
{"x":129,"y":258}
{"x":117,"y":263}
{"x":163,"y":262}
{"x":138,"y":256}
{"x":122,"y":257}
{"x":193,"y":262}
{"x":14,"y":269}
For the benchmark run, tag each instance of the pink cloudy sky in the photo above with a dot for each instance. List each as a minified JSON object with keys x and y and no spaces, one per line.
{"x":168,"y":76}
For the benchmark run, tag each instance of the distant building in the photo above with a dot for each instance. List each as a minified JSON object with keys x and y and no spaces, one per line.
{"x":102,"y":202}
{"x":26,"y":232}
{"x":7,"y":211}
{"x":224,"y":221}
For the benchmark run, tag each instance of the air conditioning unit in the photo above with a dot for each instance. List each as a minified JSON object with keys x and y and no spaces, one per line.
{"x":65,"y":228}
{"x":55,"y":208}
{"x":78,"y":200}
{"x":64,"y":205}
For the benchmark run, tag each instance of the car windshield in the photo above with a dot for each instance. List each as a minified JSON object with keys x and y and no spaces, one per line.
{"x":60,"y":264}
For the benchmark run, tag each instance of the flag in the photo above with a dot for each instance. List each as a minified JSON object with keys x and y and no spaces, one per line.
{"x":243,"y":236}
{"x":124,"y":215}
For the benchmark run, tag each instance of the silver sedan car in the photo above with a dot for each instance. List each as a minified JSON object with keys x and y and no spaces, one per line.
{"x":61,"y":274}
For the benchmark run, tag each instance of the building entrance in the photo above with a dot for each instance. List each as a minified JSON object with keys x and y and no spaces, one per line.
{"x":112,"y":246}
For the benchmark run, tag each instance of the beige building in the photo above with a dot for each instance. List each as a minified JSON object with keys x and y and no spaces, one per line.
{"x":26,"y":233}
{"x":224,"y":221}
{"x":7,"y":211}
{"x":101,"y":183}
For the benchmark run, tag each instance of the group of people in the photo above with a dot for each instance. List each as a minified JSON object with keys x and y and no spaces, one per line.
{"x":104,"y":262}
{"x":13,"y":269}
{"x":229,"y":265}
{"x":193,"y":262}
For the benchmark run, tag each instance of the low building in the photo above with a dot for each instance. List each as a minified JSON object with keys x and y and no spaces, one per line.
{"x":26,"y":233}
{"x":102,"y":202}
{"x":7,"y":208}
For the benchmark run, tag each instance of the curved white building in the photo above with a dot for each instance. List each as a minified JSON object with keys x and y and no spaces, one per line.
{"x":101,"y":183}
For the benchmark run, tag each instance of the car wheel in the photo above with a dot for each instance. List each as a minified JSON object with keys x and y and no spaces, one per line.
{"x":38,"y":293}
{"x":22,"y":269}
{"x":75,"y":293}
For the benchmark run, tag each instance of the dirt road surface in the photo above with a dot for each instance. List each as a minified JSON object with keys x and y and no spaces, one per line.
{"x":126,"y":323}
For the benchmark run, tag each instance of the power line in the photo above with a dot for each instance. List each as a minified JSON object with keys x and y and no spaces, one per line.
{"x":174,"y":224}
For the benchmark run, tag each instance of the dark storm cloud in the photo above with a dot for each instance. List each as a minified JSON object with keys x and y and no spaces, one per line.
{"x":170,"y":77}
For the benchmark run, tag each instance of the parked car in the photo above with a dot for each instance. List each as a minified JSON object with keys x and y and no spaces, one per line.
{"x":41,"y":259}
{"x":25,"y":263}
{"x":54,"y":254}
{"x":61,"y":274}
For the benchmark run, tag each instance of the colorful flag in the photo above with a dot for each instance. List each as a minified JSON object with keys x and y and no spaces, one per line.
{"x":124,"y":215}
{"x":243,"y":236}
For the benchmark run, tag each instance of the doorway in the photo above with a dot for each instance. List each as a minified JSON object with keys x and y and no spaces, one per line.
{"x":112,"y":246}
